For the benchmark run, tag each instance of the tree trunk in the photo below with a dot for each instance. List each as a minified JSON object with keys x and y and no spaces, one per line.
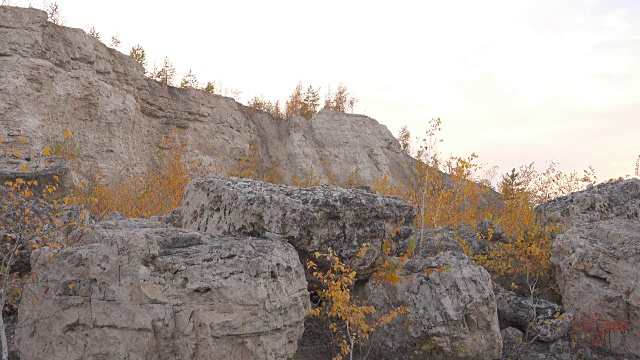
{"x":3,"y":336}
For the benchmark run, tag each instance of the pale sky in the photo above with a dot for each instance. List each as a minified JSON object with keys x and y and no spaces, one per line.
{"x":513,"y":81}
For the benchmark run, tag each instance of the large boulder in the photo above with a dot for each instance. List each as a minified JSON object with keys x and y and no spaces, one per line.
{"x":137,"y":289}
{"x":311,"y":219}
{"x":452,"y":311}
{"x":597,"y":258}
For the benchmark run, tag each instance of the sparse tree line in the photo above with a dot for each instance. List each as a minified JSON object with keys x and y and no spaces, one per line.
{"x":306,"y":103}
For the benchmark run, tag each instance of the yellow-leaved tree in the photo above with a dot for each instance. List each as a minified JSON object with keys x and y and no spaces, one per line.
{"x":351,"y":320}
{"x":29,"y":219}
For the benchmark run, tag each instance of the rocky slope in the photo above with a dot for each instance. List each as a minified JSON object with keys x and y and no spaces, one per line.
{"x":54,"y":78}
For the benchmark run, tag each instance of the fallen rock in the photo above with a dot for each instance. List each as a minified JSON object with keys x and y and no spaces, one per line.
{"x":597,"y":258}
{"x":140,"y":290}
{"x":511,"y":335}
{"x":550,"y":330}
{"x":516,"y":311}
{"x":453,"y":311}
{"x":311,"y":219}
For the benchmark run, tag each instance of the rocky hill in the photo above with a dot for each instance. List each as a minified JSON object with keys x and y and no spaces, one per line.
{"x":54,"y":78}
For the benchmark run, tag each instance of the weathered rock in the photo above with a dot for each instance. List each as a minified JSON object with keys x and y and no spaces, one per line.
{"x":311,"y":219}
{"x":606,"y":201}
{"x":518,"y":312}
{"x":453,"y":312}
{"x":140,"y":290}
{"x":550,"y":330}
{"x":511,"y":335}
{"x":55,"y":78}
{"x":597,"y":259}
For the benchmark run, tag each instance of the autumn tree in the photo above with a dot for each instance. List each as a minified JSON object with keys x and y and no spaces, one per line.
{"x":310,"y":102}
{"x":276,"y":111}
{"x":29,"y":219}
{"x":138,"y":54}
{"x":53,"y":13}
{"x":210,"y":87}
{"x":352,"y":320}
{"x":115,"y":41}
{"x":93,"y":32}
{"x":404,"y":138}
{"x":511,"y":185}
{"x":303,"y":103}
{"x":294,"y":104}
{"x":189,"y":80}
{"x":339,"y":101}
{"x":267,"y":106}
{"x":146,"y":193}
{"x":165,"y":74}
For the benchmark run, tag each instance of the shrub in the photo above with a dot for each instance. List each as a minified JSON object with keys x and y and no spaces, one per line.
{"x":597,"y":330}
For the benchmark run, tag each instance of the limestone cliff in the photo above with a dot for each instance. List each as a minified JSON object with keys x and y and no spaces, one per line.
{"x":54,"y":78}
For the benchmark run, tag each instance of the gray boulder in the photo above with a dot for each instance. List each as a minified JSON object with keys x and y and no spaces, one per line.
{"x":453,"y":312}
{"x":312,"y":219}
{"x":597,"y":258}
{"x":139,"y":290}
{"x":511,"y":335}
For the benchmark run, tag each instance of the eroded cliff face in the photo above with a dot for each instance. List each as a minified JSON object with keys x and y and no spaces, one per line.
{"x":54,"y":78}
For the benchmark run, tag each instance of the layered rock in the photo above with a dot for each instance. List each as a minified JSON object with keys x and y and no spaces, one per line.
{"x":311,"y":219}
{"x":453,"y":311}
{"x":597,"y":258}
{"x":55,"y":78}
{"x":139,"y":290}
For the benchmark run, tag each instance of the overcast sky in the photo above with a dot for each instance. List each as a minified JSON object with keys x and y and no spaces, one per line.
{"x":513,"y":81}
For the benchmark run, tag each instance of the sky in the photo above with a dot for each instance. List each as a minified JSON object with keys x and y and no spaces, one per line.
{"x":515,"y":82}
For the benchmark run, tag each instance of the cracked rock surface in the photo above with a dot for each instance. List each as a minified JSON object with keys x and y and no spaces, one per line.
{"x":311,"y":219}
{"x":453,"y":311}
{"x":597,"y":258}
{"x":140,"y":290}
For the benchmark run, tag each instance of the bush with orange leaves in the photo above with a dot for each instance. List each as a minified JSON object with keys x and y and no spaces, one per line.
{"x":155,"y":192}
{"x":28,"y":220}
{"x":351,"y":319}
{"x":597,"y":330}
{"x":450,"y":192}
